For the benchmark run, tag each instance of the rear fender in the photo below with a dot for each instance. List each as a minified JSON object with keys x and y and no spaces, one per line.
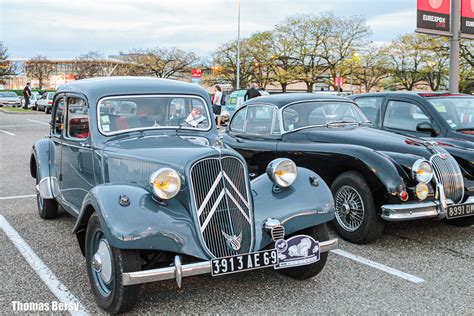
{"x":43,"y":168}
{"x":144,"y":224}
{"x":307,"y":202}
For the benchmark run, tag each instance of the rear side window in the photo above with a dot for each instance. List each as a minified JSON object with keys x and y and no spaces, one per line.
{"x":58,"y":119}
{"x":370,"y":106}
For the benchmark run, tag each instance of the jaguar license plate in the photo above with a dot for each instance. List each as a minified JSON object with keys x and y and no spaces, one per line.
{"x":461,"y":210}
{"x":244,"y":262}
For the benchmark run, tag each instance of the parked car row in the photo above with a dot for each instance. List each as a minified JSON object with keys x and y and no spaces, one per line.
{"x":9,"y":98}
{"x":158,"y":194}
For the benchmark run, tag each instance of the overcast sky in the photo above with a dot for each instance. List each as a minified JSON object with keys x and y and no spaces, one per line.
{"x":68,"y":28}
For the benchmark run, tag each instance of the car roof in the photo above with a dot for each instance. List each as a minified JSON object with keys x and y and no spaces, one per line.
{"x":282,"y":99}
{"x":424,"y":94}
{"x":97,"y":88}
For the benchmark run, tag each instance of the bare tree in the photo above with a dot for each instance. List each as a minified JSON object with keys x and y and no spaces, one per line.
{"x":284,"y":65}
{"x":88,"y":65}
{"x":40,"y":68}
{"x":6,"y":68}
{"x":436,"y":67}
{"x":259,"y":49}
{"x":370,"y":67}
{"x":161,"y":62}
{"x":225,"y":65}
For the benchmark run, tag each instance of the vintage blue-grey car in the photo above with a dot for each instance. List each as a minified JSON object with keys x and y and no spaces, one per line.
{"x":156,"y":194}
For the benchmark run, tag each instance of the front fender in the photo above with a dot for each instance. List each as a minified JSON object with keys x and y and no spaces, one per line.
{"x":144,"y":224}
{"x":298,"y":207}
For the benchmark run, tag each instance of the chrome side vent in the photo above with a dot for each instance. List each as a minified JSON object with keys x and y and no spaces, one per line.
{"x":278,"y":232}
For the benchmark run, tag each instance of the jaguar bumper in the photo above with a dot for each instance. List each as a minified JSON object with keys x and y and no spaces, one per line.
{"x":178,"y":270}
{"x":412,"y":211}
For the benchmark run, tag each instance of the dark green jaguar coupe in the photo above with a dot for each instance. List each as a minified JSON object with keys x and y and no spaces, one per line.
{"x":156,"y":194}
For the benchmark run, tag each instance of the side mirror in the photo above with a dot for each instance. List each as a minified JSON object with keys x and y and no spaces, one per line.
{"x":426,"y":127}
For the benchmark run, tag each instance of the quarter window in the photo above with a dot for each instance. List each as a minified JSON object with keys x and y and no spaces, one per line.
{"x":404,"y":116}
{"x":77,"y":118}
{"x":370,"y":106}
{"x":58,"y":119}
{"x":238,"y":121}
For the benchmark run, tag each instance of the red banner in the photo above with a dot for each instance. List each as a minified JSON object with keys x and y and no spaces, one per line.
{"x":196,"y":73}
{"x":467,"y":17}
{"x":433,"y":16}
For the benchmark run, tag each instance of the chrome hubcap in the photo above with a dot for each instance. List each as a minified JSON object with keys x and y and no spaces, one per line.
{"x":102,"y":261}
{"x":349,"y":208}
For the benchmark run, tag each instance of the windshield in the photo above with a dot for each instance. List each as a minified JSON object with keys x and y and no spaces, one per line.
{"x":122,"y":114}
{"x":458,"y":112}
{"x":321,"y":113}
{"x":8,"y":94}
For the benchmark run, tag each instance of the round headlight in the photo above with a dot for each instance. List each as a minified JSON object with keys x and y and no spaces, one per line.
{"x":422,"y":191}
{"x":422,"y":171}
{"x":165,"y":183}
{"x":282,"y":172}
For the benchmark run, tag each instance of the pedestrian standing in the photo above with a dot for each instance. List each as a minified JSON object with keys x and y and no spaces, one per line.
{"x":27,"y":95}
{"x":217,"y":104}
{"x":252,"y":92}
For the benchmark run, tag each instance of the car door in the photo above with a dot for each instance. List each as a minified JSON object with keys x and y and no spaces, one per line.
{"x":77,"y":172}
{"x":57,"y":127}
{"x":404,"y":116}
{"x":255,"y":132}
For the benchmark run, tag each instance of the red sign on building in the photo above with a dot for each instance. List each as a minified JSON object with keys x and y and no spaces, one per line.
{"x":433,"y":16}
{"x":467,"y":18}
{"x":196,"y":73}
{"x":338,"y":81}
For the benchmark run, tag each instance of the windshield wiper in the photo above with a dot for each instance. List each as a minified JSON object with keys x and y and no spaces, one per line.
{"x":340,"y":122}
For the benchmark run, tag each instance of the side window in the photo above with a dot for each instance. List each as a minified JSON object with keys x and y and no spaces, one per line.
{"x":77,"y":118}
{"x":58,"y":119}
{"x":259,"y":120}
{"x":404,"y":116}
{"x":370,"y":106}
{"x":238,"y":121}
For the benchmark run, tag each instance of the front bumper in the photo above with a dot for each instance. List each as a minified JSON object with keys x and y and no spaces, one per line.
{"x":412,"y":211}
{"x":178,"y":271}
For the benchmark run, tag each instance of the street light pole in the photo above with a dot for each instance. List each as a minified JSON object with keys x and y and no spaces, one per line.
{"x":454,"y":46}
{"x":238,"y":48}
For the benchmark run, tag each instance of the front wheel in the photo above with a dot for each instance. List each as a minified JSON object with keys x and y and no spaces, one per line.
{"x":105,"y":266}
{"x":319,"y":233}
{"x":47,"y":208}
{"x":356,"y":219}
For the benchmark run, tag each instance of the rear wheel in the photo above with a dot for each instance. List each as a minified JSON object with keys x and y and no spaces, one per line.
{"x":356,"y":219}
{"x":47,"y":208}
{"x":319,"y":233}
{"x":105,"y":266}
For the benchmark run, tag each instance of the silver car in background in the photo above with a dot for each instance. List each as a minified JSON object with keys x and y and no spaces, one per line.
{"x":9,"y":98}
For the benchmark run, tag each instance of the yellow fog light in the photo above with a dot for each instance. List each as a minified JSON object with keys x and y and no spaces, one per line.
{"x":282,"y":172}
{"x":165,"y":183}
{"x":422,"y":191}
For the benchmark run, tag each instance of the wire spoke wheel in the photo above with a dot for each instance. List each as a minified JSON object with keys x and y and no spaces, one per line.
{"x":349,"y":208}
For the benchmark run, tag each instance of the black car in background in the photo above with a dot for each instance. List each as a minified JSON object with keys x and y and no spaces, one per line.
{"x":448,"y":117}
{"x":375,"y":176}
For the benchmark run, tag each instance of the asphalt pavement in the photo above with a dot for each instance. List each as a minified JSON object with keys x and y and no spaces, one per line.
{"x":422,"y":267}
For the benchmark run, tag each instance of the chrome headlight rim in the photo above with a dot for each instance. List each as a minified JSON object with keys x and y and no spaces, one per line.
{"x":160,"y":194}
{"x":279,"y":167}
{"x":424,"y":177}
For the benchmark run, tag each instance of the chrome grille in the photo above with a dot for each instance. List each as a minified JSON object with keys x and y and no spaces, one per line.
{"x":278,"y":232}
{"x":223,"y":206}
{"x":449,"y":174}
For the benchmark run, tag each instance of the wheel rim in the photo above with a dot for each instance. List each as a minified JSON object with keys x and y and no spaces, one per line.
{"x":101,"y":264}
{"x":349,"y":208}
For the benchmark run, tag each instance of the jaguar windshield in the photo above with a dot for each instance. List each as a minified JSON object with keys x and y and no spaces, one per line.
{"x":122,"y":114}
{"x":458,"y":112}
{"x":309,"y":114}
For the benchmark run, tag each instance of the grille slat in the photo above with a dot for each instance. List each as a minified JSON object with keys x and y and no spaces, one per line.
{"x":233,"y":215}
{"x":449,"y":174}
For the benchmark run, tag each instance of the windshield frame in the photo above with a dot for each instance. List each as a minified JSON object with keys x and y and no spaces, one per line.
{"x":172,"y":128}
{"x":284,"y":131}
{"x":449,"y":98}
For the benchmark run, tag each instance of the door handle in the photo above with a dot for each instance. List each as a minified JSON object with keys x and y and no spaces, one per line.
{"x":85,"y":145}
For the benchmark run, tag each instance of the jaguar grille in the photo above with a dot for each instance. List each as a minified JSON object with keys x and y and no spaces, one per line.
{"x":223,"y":206}
{"x":447,"y":173}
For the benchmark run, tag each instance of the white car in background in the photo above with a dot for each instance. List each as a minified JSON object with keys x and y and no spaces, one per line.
{"x":9,"y":98}
{"x":45,"y":103}
{"x":35,"y":96}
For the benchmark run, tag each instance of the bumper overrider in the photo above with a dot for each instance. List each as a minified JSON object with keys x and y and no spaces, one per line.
{"x":420,"y":210}
{"x":179,"y":270}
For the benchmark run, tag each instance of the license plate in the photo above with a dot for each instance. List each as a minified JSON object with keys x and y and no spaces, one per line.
{"x":461,"y":210}
{"x":244,"y":262}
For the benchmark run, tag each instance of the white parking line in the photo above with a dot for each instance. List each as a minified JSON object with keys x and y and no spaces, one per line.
{"x":35,"y":121}
{"x":45,"y":274}
{"x":378,"y":266}
{"x":16,"y":197}
{"x":8,"y":133}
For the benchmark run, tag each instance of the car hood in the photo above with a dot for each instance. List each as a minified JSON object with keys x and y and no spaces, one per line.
{"x":369,"y":137}
{"x":9,"y":98}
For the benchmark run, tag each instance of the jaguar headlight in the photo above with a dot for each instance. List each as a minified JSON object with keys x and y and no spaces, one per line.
{"x":282,"y":172}
{"x":422,"y":171}
{"x":422,"y":191}
{"x":165,"y":183}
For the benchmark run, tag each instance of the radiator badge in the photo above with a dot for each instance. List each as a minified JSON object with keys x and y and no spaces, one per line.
{"x":233,"y":242}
